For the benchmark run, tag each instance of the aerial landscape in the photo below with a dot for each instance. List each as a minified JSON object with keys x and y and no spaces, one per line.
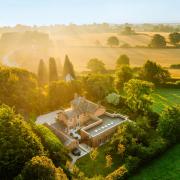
{"x":89,"y":90}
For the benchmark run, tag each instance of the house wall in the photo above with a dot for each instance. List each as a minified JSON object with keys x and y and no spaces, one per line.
{"x":103,"y":137}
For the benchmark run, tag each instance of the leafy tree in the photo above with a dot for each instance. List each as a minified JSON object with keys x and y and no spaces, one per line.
{"x":113,"y":98}
{"x":123,"y":75}
{"x":169,"y":126}
{"x":19,"y":89}
{"x":18,"y":143}
{"x":127,"y":31}
{"x":158,"y":41}
{"x":93,"y":154}
{"x":68,"y":68}
{"x":97,"y":86}
{"x":113,"y":41}
{"x":122,"y":60}
{"x":138,"y":95}
{"x":53,"y":75}
{"x":42,"y":73}
{"x":154,"y":73}
{"x":96,"y":66}
{"x":42,"y":168}
{"x":108,"y":161}
{"x":174,"y":38}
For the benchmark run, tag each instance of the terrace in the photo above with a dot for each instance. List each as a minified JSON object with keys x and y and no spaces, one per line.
{"x":106,"y":121}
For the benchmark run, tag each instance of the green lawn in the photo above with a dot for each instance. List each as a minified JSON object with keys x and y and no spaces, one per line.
{"x":98,"y":167}
{"x":164,"y":97}
{"x":166,"y":167}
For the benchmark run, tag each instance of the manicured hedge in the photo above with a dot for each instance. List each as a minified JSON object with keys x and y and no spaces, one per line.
{"x":52,"y":144}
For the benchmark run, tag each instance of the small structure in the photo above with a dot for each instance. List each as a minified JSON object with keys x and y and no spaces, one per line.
{"x":69,"y":78}
{"x":84,"y":121}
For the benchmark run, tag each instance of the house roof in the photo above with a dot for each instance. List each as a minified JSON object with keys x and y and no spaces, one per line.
{"x":80,"y":105}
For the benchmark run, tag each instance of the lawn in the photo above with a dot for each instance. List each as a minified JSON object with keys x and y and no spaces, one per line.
{"x":98,"y":167}
{"x":165,"y":97}
{"x":166,"y":167}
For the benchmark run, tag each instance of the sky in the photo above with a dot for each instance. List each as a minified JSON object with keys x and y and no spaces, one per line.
{"x":48,"y":12}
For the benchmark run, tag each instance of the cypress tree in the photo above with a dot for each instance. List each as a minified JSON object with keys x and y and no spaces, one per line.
{"x":59,"y":66}
{"x":68,"y":68}
{"x":42,"y":73}
{"x":53,"y":75}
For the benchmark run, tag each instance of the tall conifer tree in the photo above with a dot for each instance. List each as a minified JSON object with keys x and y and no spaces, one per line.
{"x":68,"y":68}
{"x":42,"y":73}
{"x":53,"y":75}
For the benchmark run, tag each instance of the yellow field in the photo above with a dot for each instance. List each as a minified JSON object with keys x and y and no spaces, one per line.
{"x":81,"y":47}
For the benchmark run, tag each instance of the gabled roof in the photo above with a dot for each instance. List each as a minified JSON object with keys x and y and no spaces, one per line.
{"x":80,"y":105}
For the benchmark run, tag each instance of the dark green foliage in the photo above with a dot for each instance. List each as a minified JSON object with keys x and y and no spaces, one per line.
{"x":154,"y":73}
{"x":169,"y":124}
{"x":42,"y":73}
{"x":53,"y":75}
{"x":18,"y":143}
{"x":158,"y":41}
{"x":42,"y":168}
{"x":174,"y":38}
{"x":122,"y":60}
{"x":97,"y":86}
{"x":96,"y":66}
{"x":123,"y":75}
{"x":19,"y":89}
{"x":56,"y":149}
{"x":175,"y":66}
{"x":113,"y":41}
{"x":68,"y":68}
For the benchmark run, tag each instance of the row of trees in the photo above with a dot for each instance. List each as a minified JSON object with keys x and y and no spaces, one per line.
{"x":159,"y":41}
{"x":52,"y":74}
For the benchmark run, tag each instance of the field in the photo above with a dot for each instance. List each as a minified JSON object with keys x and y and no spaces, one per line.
{"x":164,"y":97}
{"x":166,"y":167}
{"x":81,"y":47}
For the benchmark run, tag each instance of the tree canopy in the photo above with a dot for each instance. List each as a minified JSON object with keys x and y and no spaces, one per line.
{"x":19,"y":89}
{"x":169,"y":124}
{"x":42,"y":168}
{"x":18,"y":143}
{"x":123,"y":75}
{"x":113,"y":41}
{"x":158,"y":41}
{"x":174,"y":38}
{"x":96,"y":66}
{"x":154,"y":73}
{"x":138,"y":95}
{"x":122,"y":60}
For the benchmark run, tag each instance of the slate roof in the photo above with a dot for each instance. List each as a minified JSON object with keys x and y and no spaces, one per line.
{"x":80,"y":105}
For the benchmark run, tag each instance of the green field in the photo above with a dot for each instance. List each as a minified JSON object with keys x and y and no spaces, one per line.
{"x":165,"y":97}
{"x":166,"y":167}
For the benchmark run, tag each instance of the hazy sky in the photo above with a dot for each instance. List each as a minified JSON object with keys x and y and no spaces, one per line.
{"x":43,"y":12}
